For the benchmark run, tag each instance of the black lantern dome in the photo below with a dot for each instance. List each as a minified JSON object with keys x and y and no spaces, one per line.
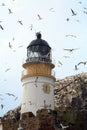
{"x":38,"y":50}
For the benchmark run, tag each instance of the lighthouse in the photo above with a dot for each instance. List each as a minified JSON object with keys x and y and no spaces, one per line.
{"x":38,"y":78}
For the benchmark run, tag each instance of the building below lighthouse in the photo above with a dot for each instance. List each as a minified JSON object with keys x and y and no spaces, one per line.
{"x":37,"y":78}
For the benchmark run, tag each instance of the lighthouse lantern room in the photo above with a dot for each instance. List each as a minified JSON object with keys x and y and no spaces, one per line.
{"x":38,"y":81}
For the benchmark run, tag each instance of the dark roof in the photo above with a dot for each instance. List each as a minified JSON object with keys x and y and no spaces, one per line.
{"x":38,"y":41}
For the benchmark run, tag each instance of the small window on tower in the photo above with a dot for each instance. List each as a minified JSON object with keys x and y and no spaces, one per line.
{"x":46,"y":88}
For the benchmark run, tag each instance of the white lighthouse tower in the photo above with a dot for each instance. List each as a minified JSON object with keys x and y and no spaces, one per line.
{"x":38,"y":81}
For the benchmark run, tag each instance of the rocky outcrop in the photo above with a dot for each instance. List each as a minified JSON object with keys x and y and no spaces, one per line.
{"x":71,"y":91}
{"x":70,"y":97}
{"x":71,"y":100}
{"x":44,"y":120}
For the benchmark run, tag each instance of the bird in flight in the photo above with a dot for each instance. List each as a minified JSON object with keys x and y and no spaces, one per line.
{"x":85,"y":12}
{"x":63,"y":127}
{"x":85,"y":8}
{"x":70,"y":50}
{"x":20,"y":46}
{"x":7,"y":69}
{"x":66,"y":56}
{"x":10,"y":45}
{"x":73,"y":13}
{"x":59,"y":62}
{"x":31,"y":27}
{"x":10,"y":94}
{"x":1,"y":98}
{"x":52,"y":10}
{"x":77,"y":20}
{"x":2,"y":106}
{"x":80,"y":2}
{"x":16,"y":98}
{"x":71,"y":36}
{"x":3,"y":4}
{"x":13,"y":39}
{"x":20,"y":22}
{"x":39,"y":17}
{"x":82,"y":62}
{"x":10,"y":12}
{"x":67,"y":19}
{"x":76,"y":68}
{"x":1,"y":27}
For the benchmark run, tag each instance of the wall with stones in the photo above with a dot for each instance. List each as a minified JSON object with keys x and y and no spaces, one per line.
{"x":42,"y":121}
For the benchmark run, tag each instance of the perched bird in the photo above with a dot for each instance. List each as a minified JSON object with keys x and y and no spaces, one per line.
{"x":73,"y":13}
{"x":31,"y":103}
{"x":39,"y":17}
{"x":17,"y":115}
{"x":82,"y":63}
{"x":10,"y":12}
{"x":1,"y":27}
{"x":70,"y":50}
{"x":20,"y":22}
{"x":36,"y":81}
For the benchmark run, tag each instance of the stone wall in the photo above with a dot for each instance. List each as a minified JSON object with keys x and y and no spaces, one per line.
{"x":42,"y":121}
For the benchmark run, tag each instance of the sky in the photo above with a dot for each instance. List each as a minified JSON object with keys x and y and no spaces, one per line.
{"x":58,"y":27}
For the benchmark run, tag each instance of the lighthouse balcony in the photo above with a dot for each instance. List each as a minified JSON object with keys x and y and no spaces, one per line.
{"x":38,"y":59}
{"x":25,"y":74}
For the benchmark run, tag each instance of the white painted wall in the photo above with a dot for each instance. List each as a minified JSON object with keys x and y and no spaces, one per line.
{"x":33,"y":95}
{"x":0,"y":126}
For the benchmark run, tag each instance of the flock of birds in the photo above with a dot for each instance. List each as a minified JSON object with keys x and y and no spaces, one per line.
{"x":9,"y":94}
{"x":73,"y":13}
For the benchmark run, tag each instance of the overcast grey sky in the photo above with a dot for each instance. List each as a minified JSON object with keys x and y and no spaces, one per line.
{"x":57,"y":26}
